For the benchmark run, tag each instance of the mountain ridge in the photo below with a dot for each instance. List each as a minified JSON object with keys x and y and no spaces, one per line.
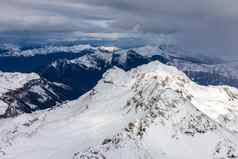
{"x":148,"y":112}
{"x":25,"y":93}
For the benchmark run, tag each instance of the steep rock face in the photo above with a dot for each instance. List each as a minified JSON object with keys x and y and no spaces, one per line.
{"x":84,"y":72}
{"x":153,"y":111}
{"x":81,"y":73}
{"x":25,"y":93}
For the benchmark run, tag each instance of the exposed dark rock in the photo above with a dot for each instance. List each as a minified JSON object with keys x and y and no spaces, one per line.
{"x":35,"y":95}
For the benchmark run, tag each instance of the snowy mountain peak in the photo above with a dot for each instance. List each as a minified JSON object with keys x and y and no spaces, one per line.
{"x":205,"y":98}
{"x":148,"y":112}
{"x":12,"y":81}
{"x":165,"y":114}
{"x":108,"y":49}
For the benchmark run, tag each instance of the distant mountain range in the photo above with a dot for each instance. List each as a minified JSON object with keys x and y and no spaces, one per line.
{"x":202,"y":70}
{"x":79,"y":68}
{"x":85,"y":102}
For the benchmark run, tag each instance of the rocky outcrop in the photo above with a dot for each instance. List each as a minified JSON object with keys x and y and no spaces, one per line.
{"x":35,"y":95}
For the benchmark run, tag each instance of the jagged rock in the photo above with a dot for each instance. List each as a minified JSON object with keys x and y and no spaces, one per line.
{"x":34,"y":94}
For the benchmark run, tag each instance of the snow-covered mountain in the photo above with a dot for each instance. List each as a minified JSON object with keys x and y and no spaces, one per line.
{"x":153,"y":111}
{"x":81,"y":66}
{"x":26,"y":93}
{"x":32,"y":60}
{"x":83,"y":72}
{"x":202,"y":69}
{"x":46,"y":50}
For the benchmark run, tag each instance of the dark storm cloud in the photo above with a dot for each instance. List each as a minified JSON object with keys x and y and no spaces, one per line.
{"x":205,"y":25}
{"x":26,"y":15}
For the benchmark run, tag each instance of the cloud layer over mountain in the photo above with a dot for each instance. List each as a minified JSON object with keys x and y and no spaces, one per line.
{"x":208,"y":25}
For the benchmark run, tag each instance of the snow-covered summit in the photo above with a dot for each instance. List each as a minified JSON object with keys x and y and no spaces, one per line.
{"x":153,"y":111}
{"x":13,"y":81}
{"x":108,"y":49}
{"x":205,"y":98}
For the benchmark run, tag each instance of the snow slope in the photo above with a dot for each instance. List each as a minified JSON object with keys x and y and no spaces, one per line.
{"x":153,"y":111}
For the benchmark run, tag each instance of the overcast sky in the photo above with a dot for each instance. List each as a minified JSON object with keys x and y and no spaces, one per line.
{"x":206,"y":25}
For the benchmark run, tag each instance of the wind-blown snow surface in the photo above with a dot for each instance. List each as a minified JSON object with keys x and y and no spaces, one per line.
{"x":153,"y":111}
